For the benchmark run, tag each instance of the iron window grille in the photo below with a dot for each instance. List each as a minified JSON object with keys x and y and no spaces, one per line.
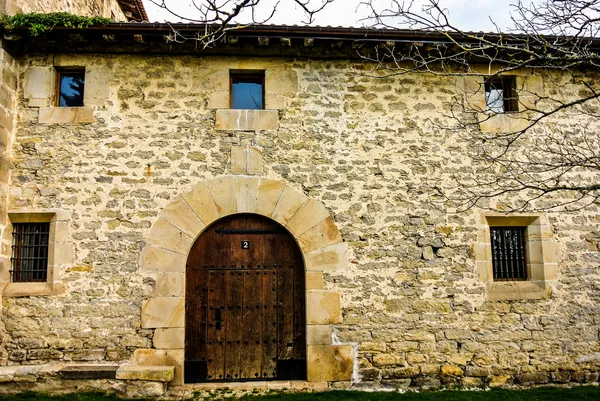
{"x":508,"y":253}
{"x":501,"y":95}
{"x":29,"y":261}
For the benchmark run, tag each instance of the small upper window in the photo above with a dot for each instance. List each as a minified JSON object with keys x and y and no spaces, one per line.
{"x":247,"y":90}
{"x":501,"y":95}
{"x":508,"y":253}
{"x":70,"y":88}
{"x":29,"y":261}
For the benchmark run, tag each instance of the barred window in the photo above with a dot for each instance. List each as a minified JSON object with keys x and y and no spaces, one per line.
{"x":508,"y":253}
{"x":29,"y":262}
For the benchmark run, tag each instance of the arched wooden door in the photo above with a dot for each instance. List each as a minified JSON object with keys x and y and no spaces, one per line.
{"x":245,"y":303}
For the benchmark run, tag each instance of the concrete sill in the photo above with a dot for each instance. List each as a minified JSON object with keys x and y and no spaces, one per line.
{"x":246,"y":120}
{"x":517,"y":290}
{"x":32,"y":289}
{"x":65,"y":115}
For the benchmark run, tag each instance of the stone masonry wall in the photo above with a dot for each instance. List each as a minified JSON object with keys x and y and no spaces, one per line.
{"x":103,"y":8}
{"x":412,"y":300}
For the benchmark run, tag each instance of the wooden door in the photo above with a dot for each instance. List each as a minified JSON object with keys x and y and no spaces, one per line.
{"x":245,"y":303}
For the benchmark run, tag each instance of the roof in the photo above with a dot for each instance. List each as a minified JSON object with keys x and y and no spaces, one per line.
{"x":134,"y":10}
{"x":263,"y":40}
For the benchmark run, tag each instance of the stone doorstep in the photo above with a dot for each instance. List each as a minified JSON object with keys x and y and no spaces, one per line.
{"x":259,"y":385}
{"x":146,"y":373}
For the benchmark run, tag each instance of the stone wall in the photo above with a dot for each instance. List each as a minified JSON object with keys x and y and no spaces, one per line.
{"x":414,"y":304}
{"x":103,"y":8}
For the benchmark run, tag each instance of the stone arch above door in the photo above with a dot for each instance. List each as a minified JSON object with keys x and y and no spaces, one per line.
{"x":163,"y":259}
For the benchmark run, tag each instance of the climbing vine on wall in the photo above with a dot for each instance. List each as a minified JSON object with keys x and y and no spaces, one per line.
{"x":39,"y":23}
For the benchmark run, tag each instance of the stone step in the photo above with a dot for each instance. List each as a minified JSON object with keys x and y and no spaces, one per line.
{"x":148,"y":373}
{"x":89,"y":372}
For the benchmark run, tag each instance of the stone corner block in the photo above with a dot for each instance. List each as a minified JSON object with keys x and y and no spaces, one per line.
{"x":172,"y":338}
{"x":269,"y":192}
{"x":181,"y":215}
{"x":246,"y":190}
{"x":334,"y":257}
{"x":323,"y":307}
{"x":64,"y":115}
{"x":246,"y":120}
{"x":146,"y":373}
{"x":288,"y":205}
{"x":327,"y":363}
{"x":163,"y":312}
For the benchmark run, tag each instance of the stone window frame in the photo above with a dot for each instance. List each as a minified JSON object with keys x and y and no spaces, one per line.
{"x":529,"y":87}
{"x":60,"y":252}
{"x":542,"y":255}
{"x":40,"y":91}
{"x":280,"y":82}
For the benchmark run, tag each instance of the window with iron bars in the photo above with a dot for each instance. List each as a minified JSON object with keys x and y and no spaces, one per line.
{"x":29,"y":261}
{"x":508,"y":253}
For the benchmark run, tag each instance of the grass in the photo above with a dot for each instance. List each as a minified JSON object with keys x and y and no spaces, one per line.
{"x":539,"y":394}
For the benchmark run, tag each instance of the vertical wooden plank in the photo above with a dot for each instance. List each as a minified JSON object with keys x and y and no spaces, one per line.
{"x":269,"y":326}
{"x":234,"y":323}
{"x":250,"y":356}
{"x":286,"y":306}
{"x":299,"y":329}
{"x":216,"y":327}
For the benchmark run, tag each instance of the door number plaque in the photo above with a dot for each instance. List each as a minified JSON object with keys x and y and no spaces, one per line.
{"x":245,"y":244}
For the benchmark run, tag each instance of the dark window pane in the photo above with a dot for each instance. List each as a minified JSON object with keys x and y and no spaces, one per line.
{"x":501,"y":95}
{"x":29,"y":261}
{"x":71,"y":89}
{"x":247,"y":93}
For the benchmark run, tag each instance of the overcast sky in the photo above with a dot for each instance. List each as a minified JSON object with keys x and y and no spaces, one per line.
{"x":471,"y":15}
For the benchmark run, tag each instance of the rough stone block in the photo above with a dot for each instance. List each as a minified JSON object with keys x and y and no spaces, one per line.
{"x":309,"y":215}
{"x":246,"y":120}
{"x":164,"y":235}
{"x":332,"y":258}
{"x":173,"y":338}
{"x":320,"y":236}
{"x":201,"y":202}
{"x":246,"y":190}
{"x":328,"y":363}
{"x":269,"y":192}
{"x":64,"y":115}
{"x":154,"y":259}
{"x":165,"y":312}
{"x":323,"y":307}
{"x":146,"y":373}
{"x":222,"y":191}
{"x":181,"y":215}
{"x":274,"y":101}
